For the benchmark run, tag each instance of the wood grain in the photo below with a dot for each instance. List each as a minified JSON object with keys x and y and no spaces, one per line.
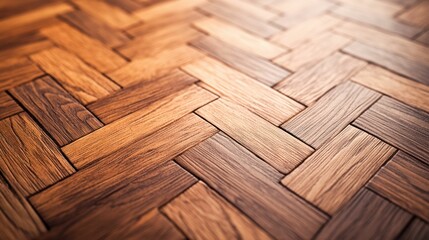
{"x":309,"y":84}
{"x":8,"y":106}
{"x":30,"y":160}
{"x":129,"y":129}
{"x":417,"y":15}
{"x":16,"y":71}
{"x":424,"y":38}
{"x":334,"y":173}
{"x":82,"y":81}
{"x":202,"y":214}
{"x":59,"y":113}
{"x":254,"y":66}
{"x":417,"y":230}
{"x":129,"y":6}
{"x":245,"y":180}
{"x":367,"y":216}
{"x":256,"y":134}
{"x":399,"y":125}
{"x":167,"y":8}
{"x":404,"y":181}
{"x":251,"y":9}
{"x":23,"y":45}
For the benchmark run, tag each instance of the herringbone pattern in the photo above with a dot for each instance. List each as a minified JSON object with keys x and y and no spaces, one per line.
{"x":214,"y":119}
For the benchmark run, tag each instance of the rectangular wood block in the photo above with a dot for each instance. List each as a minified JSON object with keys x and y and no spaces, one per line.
{"x":16,"y":71}
{"x":8,"y":106}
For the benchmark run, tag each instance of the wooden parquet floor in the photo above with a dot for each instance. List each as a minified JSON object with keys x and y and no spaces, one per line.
{"x":214,"y":119}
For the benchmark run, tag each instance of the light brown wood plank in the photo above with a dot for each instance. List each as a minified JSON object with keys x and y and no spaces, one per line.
{"x":334,"y":173}
{"x":254,"y":66}
{"x":167,"y":8}
{"x":129,"y":6}
{"x":399,"y":125}
{"x":58,"y":112}
{"x":366,"y":216}
{"x":127,"y":130}
{"x":404,"y":181}
{"x":30,"y":160}
{"x":331,"y":114}
{"x":245,"y":180}
{"x":23,"y":45}
{"x":202,"y":214}
{"x":82,"y":81}
{"x":241,"y":89}
{"x":410,"y":92}
{"x":251,"y":9}
{"x":388,"y":8}
{"x":309,"y":84}
{"x":417,"y":15}
{"x":256,"y":134}
{"x":418,"y":230}
{"x":16,"y":71}
{"x":8,"y":106}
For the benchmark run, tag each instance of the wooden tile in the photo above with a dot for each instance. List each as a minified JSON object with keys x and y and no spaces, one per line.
{"x":8,"y":106}
{"x":202,"y":214}
{"x":367,"y":216}
{"x":308,"y":85}
{"x":119,"y":169}
{"x":241,"y":89}
{"x":140,"y":96}
{"x":58,"y":112}
{"x":238,"y":38}
{"x":417,"y":230}
{"x":17,"y":218}
{"x":416,"y":15}
{"x":30,"y":161}
{"x":83,"y":82}
{"x":245,"y":180}
{"x":251,"y":9}
{"x":404,"y":181}
{"x":23,"y":45}
{"x":312,"y":52}
{"x":334,"y":173}
{"x":256,"y":134}
{"x":149,"y":68}
{"x":16,"y":71}
{"x":95,"y":28}
{"x":331,"y":114}
{"x":167,"y":8}
{"x":399,"y":125}
{"x":129,"y":6}
{"x":305,"y":31}
{"x":388,"y":8}
{"x":110,"y":14}
{"x":410,"y":92}
{"x":127,"y":130}
{"x":254,"y":66}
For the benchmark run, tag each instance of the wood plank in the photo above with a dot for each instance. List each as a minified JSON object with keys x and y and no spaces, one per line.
{"x":127,"y":130}
{"x":418,"y":230}
{"x":22,"y":45}
{"x":16,"y":71}
{"x":82,"y":81}
{"x":113,"y":16}
{"x":308,"y":85}
{"x":305,"y":31}
{"x":241,"y":89}
{"x":140,"y":96}
{"x":167,"y":8}
{"x":95,"y":28}
{"x":399,"y":125}
{"x":119,"y":169}
{"x":251,"y":9}
{"x":254,"y":66}
{"x":235,"y":16}
{"x":74,"y":41}
{"x":256,"y":134}
{"x":8,"y":106}
{"x":250,"y":185}
{"x":203,"y":214}
{"x":416,"y":15}
{"x":149,"y":68}
{"x":30,"y":160}
{"x":388,"y":8}
{"x":17,"y":218}
{"x":410,"y":92}
{"x":107,"y":216}
{"x":327,"y":180}
{"x":312,"y":52}
{"x":366,"y":216}
{"x":331,"y":114}
{"x":59,"y":113}
{"x":129,"y":6}
{"x":238,"y":38}
{"x":404,"y":181}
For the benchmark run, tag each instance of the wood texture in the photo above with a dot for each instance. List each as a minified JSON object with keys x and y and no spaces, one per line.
{"x":417,"y":15}
{"x":30,"y":160}
{"x":8,"y":106}
{"x":334,"y":173}
{"x":167,"y":8}
{"x":59,"y":113}
{"x":398,"y":124}
{"x":16,"y":71}
{"x":201,"y":213}
{"x":418,"y":230}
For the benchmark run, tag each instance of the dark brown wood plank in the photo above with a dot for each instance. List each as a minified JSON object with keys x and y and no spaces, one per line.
{"x":404,"y":181}
{"x":8,"y":106}
{"x":399,"y":125}
{"x":59,"y":113}
{"x":30,"y":160}
{"x":16,"y":71}
{"x":367,"y":216}
{"x":333,"y":112}
{"x":247,"y":181}
{"x":418,"y":230}
{"x":129,"y":6}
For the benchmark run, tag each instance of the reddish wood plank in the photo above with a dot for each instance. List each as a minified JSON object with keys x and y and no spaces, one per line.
{"x":418,"y":230}
{"x":16,"y":71}
{"x":8,"y":106}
